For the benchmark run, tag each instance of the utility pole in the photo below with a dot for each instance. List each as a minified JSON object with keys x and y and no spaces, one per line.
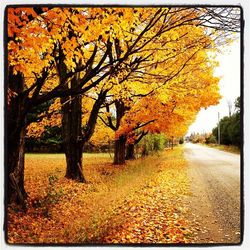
{"x":219,"y":128}
{"x":229,"y":104}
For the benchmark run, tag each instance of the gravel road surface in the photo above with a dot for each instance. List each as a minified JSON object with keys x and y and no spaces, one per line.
{"x":215,"y":193}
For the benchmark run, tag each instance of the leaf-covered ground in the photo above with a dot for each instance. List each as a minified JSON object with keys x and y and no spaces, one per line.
{"x":140,"y":202}
{"x":155,"y":213}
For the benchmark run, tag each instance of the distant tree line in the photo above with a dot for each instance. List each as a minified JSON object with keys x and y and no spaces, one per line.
{"x":51,"y":142}
{"x":230,"y":133}
{"x":202,"y":138}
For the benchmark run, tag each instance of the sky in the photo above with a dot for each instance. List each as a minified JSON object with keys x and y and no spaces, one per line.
{"x":229,"y":71}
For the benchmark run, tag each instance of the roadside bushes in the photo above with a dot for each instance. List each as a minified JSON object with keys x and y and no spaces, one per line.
{"x":211,"y":139}
{"x":151,"y":143}
{"x":181,"y":141}
{"x":198,"y":138}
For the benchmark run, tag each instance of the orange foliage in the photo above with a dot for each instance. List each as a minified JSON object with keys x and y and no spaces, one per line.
{"x":168,"y":59}
{"x":98,"y":208}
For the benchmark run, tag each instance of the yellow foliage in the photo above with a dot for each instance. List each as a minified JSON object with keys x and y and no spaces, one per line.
{"x":163,"y":69}
{"x":102,"y":134}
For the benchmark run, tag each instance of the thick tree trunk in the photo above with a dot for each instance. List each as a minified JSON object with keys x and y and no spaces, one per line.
{"x":72,"y":134}
{"x":130,"y":152}
{"x":74,"y":163}
{"x":15,"y":165}
{"x":15,"y":131}
{"x":72,"y":137}
{"x":120,"y":150}
{"x":120,"y":143}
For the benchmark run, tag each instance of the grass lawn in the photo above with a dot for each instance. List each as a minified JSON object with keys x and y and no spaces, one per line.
{"x":230,"y":148}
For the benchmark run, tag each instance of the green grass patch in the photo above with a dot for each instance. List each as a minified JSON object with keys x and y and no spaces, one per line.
{"x":227,"y":148}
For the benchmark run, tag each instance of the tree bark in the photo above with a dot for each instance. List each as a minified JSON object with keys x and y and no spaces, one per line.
{"x":71,"y":131}
{"x":89,"y":127}
{"x":15,"y":130}
{"x":120,"y":150}
{"x":120,"y":142}
{"x":72,"y":137}
{"x":15,"y":164}
{"x":130,"y":152}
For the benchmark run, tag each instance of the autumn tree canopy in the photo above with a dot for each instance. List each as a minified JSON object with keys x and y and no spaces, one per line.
{"x":125,"y":59}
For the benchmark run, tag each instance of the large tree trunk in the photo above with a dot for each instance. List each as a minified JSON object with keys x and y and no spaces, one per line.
{"x":130,"y":152}
{"x":120,"y":142}
{"x":72,"y":137}
{"x":15,"y":165}
{"x":15,"y":131}
{"x":120,"y":150}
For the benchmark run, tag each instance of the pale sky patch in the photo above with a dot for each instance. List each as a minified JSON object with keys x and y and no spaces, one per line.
{"x":229,"y":71}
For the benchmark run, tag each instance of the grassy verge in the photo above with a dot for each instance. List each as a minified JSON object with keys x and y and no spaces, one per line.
{"x":64,"y":211}
{"x":230,"y":148}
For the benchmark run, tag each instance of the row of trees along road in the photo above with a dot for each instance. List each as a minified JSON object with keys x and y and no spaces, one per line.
{"x":230,"y":133}
{"x":230,"y":130}
{"x":135,"y":70}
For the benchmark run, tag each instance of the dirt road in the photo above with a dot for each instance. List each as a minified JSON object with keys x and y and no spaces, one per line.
{"x":215,"y":193}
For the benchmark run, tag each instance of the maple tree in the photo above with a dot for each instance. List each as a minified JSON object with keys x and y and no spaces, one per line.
{"x":166,"y":96}
{"x":174,"y":116}
{"x":112,"y":55}
{"x":65,"y":52}
{"x":36,"y":89}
